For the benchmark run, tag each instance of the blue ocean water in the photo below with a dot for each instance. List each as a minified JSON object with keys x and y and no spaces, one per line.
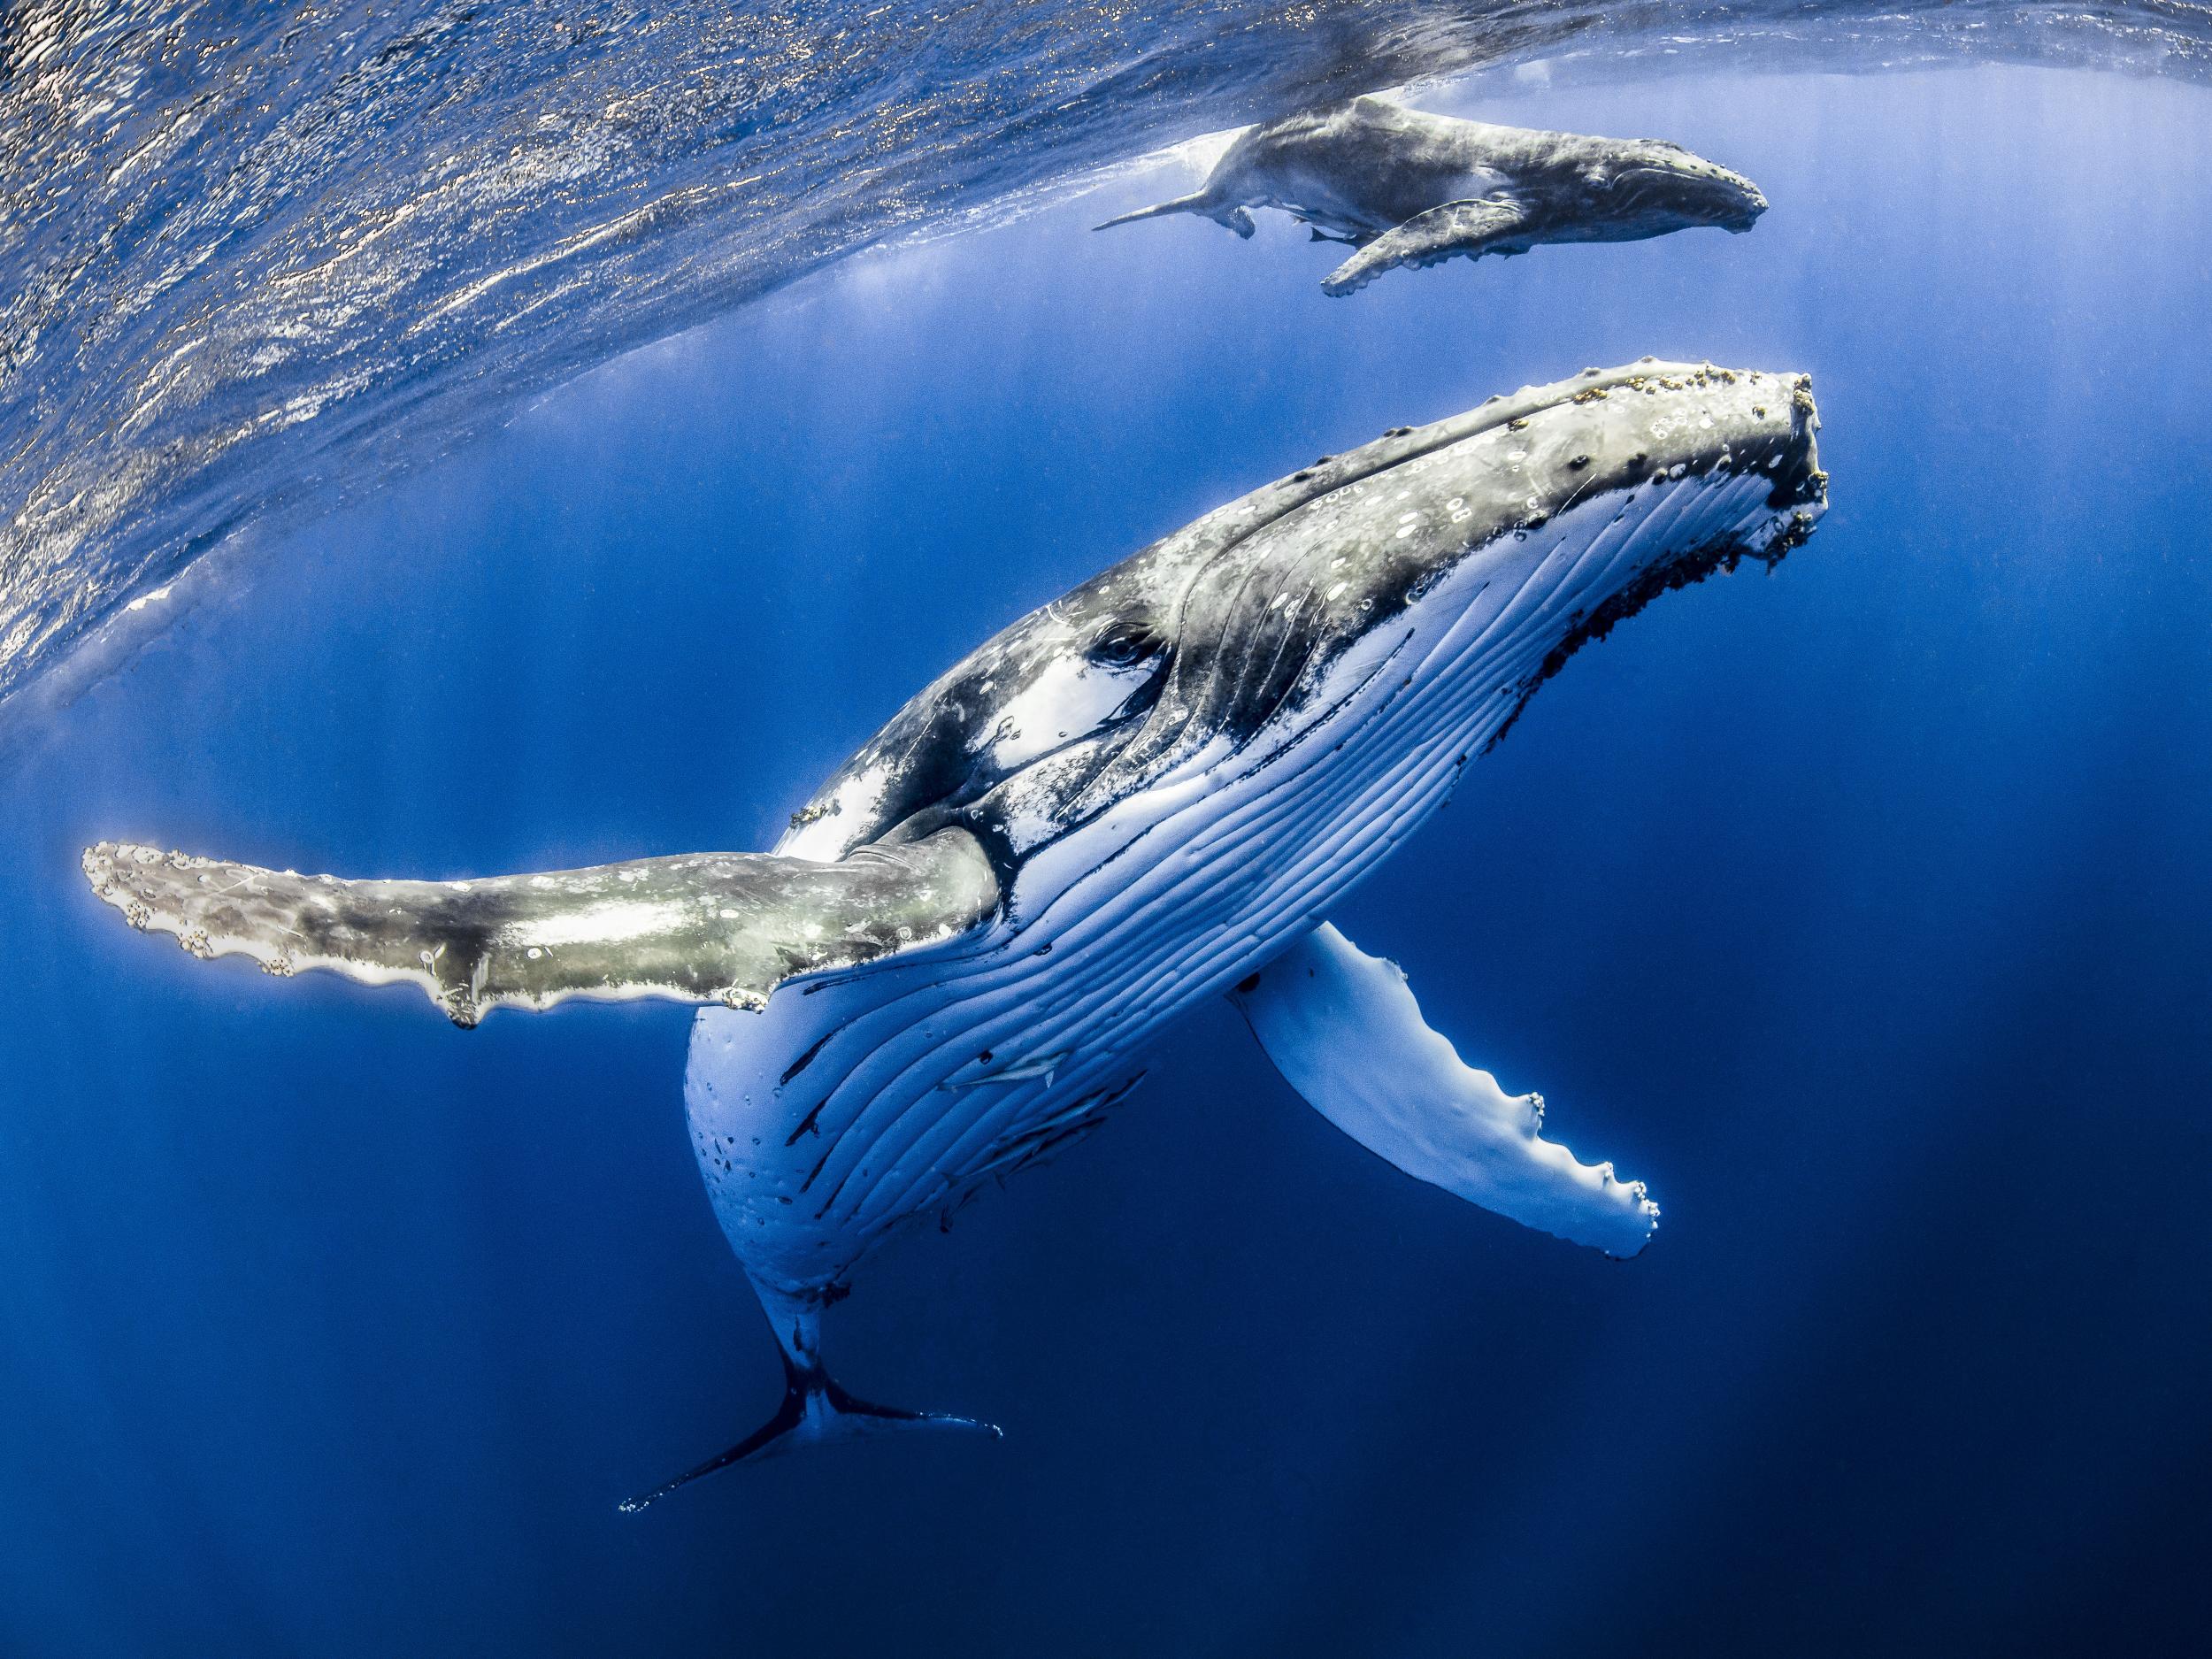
{"x":1861,"y":908}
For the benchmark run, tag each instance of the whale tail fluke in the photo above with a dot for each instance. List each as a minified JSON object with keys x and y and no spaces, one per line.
{"x":815,"y":1409}
{"x":1197,"y":202}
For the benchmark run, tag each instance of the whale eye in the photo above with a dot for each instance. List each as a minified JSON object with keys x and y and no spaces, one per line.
{"x":1124,"y":643}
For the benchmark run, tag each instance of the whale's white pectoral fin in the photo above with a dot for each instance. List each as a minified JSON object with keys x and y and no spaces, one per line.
{"x":1441,"y":233}
{"x":702,"y":927}
{"x":1345,"y":1031}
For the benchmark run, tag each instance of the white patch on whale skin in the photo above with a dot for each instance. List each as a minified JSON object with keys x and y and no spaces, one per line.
{"x":609,"y":923}
{"x":823,"y":836}
{"x":1069,"y":698}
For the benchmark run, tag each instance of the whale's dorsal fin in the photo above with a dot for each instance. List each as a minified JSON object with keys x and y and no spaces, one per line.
{"x":701,"y":927}
{"x":1345,"y":1033}
{"x":1441,"y":233}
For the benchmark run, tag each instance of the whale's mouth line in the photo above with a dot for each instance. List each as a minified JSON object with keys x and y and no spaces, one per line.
{"x":1637,"y":184}
{"x":1722,"y":555}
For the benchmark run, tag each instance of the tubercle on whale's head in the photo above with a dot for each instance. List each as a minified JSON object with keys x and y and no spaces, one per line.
{"x":1523,"y":527}
{"x":1227,"y":632}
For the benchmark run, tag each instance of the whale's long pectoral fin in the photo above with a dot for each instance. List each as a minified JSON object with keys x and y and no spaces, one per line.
{"x":701,"y":927}
{"x":1455,"y":229}
{"x":1345,"y":1031}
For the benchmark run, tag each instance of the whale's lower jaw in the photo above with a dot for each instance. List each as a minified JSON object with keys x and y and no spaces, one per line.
{"x":854,"y":1104}
{"x":1767,"y":543}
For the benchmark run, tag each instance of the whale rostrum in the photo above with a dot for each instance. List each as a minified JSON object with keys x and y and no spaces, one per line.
{"x":1146,"y":794}
{"x":1407,"y":188}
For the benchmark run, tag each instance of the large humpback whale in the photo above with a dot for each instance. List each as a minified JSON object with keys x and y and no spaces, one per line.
{"x":1408,"y":188}
{"x":1144,"y":795}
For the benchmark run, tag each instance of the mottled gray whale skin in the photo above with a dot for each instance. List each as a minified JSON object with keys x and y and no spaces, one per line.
{"x":1146,"y":794}
{"x":1408,"y":188}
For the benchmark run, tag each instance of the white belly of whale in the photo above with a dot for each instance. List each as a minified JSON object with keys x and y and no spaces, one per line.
{"x":857,"y":1100}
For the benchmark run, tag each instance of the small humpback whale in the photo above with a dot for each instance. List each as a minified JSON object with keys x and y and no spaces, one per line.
{"x":1408,"y":188}
{"x":1145,"y":795}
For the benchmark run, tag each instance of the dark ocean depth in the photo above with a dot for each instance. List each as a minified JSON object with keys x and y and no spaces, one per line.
{"x":1864,"y":909}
